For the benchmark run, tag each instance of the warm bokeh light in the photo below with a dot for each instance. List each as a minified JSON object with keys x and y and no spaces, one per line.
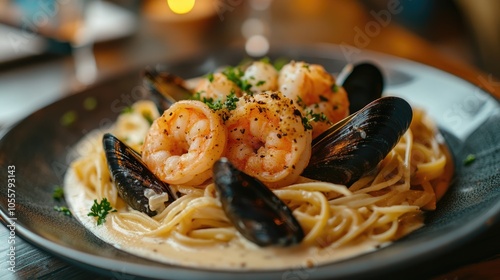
{"x":257,"y":46}
{"x":252,"y":26}
{"x":181,"y":6}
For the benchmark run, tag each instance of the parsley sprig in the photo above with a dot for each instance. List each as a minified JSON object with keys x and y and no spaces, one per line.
{"x":63,"y":209}
{"x":469,"y":159}
{"x":334,"y":88}
{"x":210,"y":77}
{"x":310,"y":115}
{"x":316,"y":117}
{"x":215,"y":105}
{"x":306,"y":123}
{"x":147,"y":116}
{"x":101,"y":210}
{"x":313,"y":117}
{"x":231,"y":101}
{"x":301,"y":102}
{"x":235,"y":75}
{"x":58,"y":193}
{"x":127,"y":110}
{"x":278,"y":63}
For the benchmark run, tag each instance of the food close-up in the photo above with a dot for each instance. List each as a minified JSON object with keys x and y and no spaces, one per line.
{"x":234,"y":171}
{"x":256,"y":139}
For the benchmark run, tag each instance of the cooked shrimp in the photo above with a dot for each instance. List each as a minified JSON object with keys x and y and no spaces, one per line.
{"x":216,"y":87}
{"x":314,"y":89}
{"x":262,"y":76}
{"x":182,"y":145}
{"x":267,"y":140}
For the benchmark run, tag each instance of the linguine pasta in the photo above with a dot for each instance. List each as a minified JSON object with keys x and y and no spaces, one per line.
{"x":338,"y":222}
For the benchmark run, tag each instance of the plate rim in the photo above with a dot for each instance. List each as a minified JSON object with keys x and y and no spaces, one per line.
{"x":490,"y":218}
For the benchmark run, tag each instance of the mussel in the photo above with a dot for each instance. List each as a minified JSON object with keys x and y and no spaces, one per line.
{"x":132,"y":177}
{"x":342,"y":154}
{"x":164,"y":88}
{"x":256,"y":212}
{"x":363,"y":83}
{"x":354,"y":146}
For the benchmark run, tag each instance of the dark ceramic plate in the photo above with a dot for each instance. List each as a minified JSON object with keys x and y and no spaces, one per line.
{"x":39,"y":149}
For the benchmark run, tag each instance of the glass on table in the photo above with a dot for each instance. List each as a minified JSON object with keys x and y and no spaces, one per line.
{"x":59,"y":20}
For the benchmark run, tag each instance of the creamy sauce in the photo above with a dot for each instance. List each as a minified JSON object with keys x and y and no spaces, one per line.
{"x":231,"y":256}
{"x":238,"y":255}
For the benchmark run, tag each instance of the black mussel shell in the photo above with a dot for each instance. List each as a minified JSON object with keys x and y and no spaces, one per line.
{"x":131,"y":175}
{"x":354,"y":147}
{"x":164,"y":88}
{"x":363,"y":85}
{"x":256,"y":212}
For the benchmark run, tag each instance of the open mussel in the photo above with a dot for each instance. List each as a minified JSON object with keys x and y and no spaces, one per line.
{"x":165,"y":88}
{"x":135,"y":183}
{"x":363,"y":83}
{"x":256,"y":212}
{"x":354,"y":146}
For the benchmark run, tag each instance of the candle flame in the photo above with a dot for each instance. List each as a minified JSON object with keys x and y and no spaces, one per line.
{"x":181,"y":6}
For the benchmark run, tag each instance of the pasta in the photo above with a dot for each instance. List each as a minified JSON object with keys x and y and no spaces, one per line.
{"x":338,"y":222}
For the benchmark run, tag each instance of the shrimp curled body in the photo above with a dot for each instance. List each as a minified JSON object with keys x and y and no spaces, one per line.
{"x":216,"y":88}
{"x":262,"y":76}
{"x":267,"y":140}
{"x":182,"y":145}
{"x":316,"y":90}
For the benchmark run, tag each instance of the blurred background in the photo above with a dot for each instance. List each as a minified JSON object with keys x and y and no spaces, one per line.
{"x":51,"y":48}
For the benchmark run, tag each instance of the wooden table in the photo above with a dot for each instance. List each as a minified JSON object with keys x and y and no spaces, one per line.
{"x":479,"y":258}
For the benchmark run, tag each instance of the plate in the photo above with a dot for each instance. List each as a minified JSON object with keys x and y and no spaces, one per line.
{"x":39,"y":149}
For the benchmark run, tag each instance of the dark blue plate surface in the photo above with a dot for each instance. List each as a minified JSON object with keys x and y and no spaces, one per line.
{"x":39,"y":148}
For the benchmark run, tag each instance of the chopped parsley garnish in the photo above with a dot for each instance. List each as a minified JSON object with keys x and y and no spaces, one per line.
{"x":279,"y":63}
{"x":127,"y":110}
{"x":211,"y":103}
{"x":265,"y":60}
{"x":334,"y":88}
{"x":63,"y":209}
{"x":210,"y":77}
{"x":231,"y":101}
{"x":196,"y":96}
{"x":259,"y":83}
{"x":68,"y":118}
{"x":101,"y":210}
{"x":90,"y":103}
{"x":215,"y":105}
{"x":148,"y":117}
{"x":306,"y":123}
{"x":316,"y":117}
{"x":301,"y":103}
{"x":58,"y":193}
{"x":313,"y":117}
{"x":245,"y":85}
{"x":469,"y":159}
{"x":235,"y":75}
{"x":145,"y":114}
